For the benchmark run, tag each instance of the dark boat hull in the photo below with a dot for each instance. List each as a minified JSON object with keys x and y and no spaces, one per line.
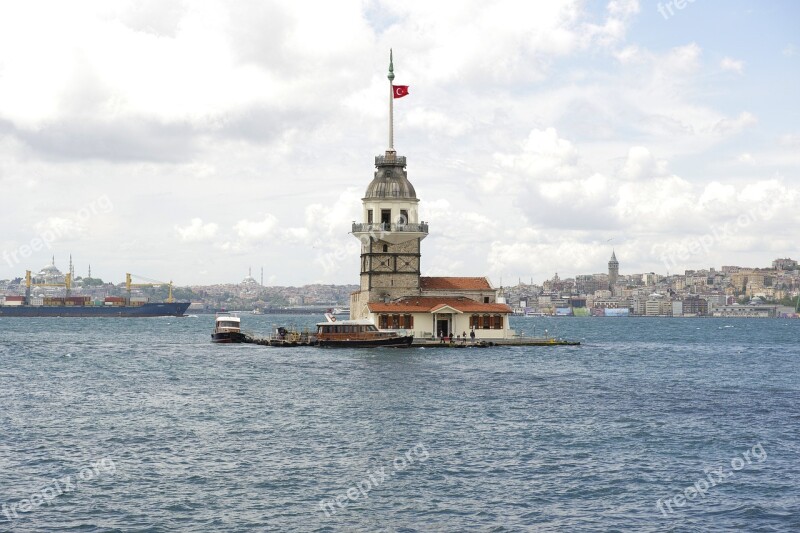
{"x":384,"y":342}
{"x":145,"y":310}
{"x":228,"y":337}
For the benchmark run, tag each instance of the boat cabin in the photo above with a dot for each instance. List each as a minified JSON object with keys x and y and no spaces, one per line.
{"x":227,"y":324}
{"x":351,"y":329}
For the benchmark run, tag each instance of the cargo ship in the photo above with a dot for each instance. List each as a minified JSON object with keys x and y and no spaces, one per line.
{"x":83,"y":306}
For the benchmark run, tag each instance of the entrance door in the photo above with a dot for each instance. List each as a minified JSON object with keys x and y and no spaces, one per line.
{"x":443,"y":326}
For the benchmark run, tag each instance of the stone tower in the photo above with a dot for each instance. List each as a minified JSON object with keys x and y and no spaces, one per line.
{"x":613,"y":271}
{"x":390,"y":230}
{"x":390,"y":233}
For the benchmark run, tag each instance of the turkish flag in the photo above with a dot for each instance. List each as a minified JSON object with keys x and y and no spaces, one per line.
{"x":399,"y":91}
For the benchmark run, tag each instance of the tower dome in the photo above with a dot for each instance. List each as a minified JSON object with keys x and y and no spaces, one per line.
{"x":391,"y":180}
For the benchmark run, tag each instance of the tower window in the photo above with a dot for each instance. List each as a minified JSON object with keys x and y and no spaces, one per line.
{"x":369,"y":216}
{"x":386,"y":216}
{"x":403,"y":217}
{"x":385,"y":247}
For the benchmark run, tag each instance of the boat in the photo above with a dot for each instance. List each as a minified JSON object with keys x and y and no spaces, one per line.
{"x":70,"y":310}
{"x":283,"y":336}
{"x":358,"y":334}
{"x":71,"y":305}
{"x":341,"y":311}
{"x":227,"y":329}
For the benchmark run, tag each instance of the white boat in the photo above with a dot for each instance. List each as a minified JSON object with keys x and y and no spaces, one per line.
{"x":227,"y":329}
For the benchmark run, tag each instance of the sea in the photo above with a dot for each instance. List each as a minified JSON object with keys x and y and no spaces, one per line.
{"x":651,"y":424}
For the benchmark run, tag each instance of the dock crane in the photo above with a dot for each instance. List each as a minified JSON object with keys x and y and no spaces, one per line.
{"x":29,"y":283}
{"x":152,"y":283}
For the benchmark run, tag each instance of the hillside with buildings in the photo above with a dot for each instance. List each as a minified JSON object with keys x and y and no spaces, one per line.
{"x":729,"y":291}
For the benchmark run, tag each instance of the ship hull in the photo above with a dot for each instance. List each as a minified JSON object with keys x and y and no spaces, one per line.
{"x":227,"y":337}
{"x":386,"y":342}
{"x":138,"y":311}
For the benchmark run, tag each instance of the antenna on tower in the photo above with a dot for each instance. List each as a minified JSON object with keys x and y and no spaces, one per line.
{"x":395,"y":91}
{"x":391,"y":102}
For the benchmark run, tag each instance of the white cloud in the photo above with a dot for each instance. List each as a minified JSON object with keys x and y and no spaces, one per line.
{"x":639,"y":164}
{"x":732,"y":65}
{"x":256,"y":231}
{"x":746,"y":158}
{"x":547,"y":124}
{"x":196,"y":231}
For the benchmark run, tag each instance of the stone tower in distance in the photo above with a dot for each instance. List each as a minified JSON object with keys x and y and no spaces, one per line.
{"x":613,"y":271}
{"x":390,"y":231}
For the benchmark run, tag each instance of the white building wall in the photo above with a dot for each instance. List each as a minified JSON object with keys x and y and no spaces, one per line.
{"x":425,"y":326}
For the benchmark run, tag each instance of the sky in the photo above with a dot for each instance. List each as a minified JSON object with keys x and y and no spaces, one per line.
{"x":193,"y":140}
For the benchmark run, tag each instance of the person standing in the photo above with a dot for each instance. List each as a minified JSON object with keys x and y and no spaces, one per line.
{"x":472,"y":335}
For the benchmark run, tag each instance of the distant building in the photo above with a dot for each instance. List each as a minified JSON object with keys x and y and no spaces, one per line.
{"x":746,"y":311}
{"x":650,"y":279}
{"x":694,"y":306}
{"x":613,"y":271}
{"x":784,"y":264}
{"x":50,"y":274}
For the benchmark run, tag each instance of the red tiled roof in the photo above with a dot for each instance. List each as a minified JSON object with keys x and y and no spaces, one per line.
{"x":454,"y":284}
{"x":429,"y":304}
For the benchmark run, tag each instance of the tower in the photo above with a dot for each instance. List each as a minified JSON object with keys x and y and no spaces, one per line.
{"x":613,"y":271}
{"x":390,"y":231}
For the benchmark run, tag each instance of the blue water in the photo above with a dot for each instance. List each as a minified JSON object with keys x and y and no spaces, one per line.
{"x":156,"y":429}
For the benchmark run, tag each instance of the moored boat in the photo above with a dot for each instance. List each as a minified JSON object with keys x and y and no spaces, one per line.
{"x":227,"y":329}
{"x":358,"y":334}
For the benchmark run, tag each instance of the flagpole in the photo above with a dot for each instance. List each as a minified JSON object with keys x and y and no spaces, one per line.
{"x":391,"y":102}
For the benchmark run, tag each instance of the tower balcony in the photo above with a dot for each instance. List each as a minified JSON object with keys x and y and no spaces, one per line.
{"x":393,"y":233}
{"x":391,"y":160}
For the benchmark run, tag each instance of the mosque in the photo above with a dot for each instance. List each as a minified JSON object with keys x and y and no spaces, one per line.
{"x":393,"y":294}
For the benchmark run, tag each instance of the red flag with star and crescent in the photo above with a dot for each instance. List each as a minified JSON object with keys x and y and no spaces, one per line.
{"x":399,"y":91}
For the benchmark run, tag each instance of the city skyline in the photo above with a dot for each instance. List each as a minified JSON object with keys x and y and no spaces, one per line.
{"x":248,"y":279}
{"x":189,"y":142}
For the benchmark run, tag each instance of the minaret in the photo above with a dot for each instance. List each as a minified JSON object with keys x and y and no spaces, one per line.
{"x":613,"y":271}
{"x":90,"y":272}
{"x":390,"y":231}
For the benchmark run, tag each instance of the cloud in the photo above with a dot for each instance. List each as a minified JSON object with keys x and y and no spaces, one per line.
{"x":64,"y":229}
{"x":746,"y":158}
{"x":732,"y":126}
{"x":732,"y":65}
{"x":560,"y":127}
{"x":640,"y":164}
{"x":196,"y":231}
{"x":256,"y":231}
